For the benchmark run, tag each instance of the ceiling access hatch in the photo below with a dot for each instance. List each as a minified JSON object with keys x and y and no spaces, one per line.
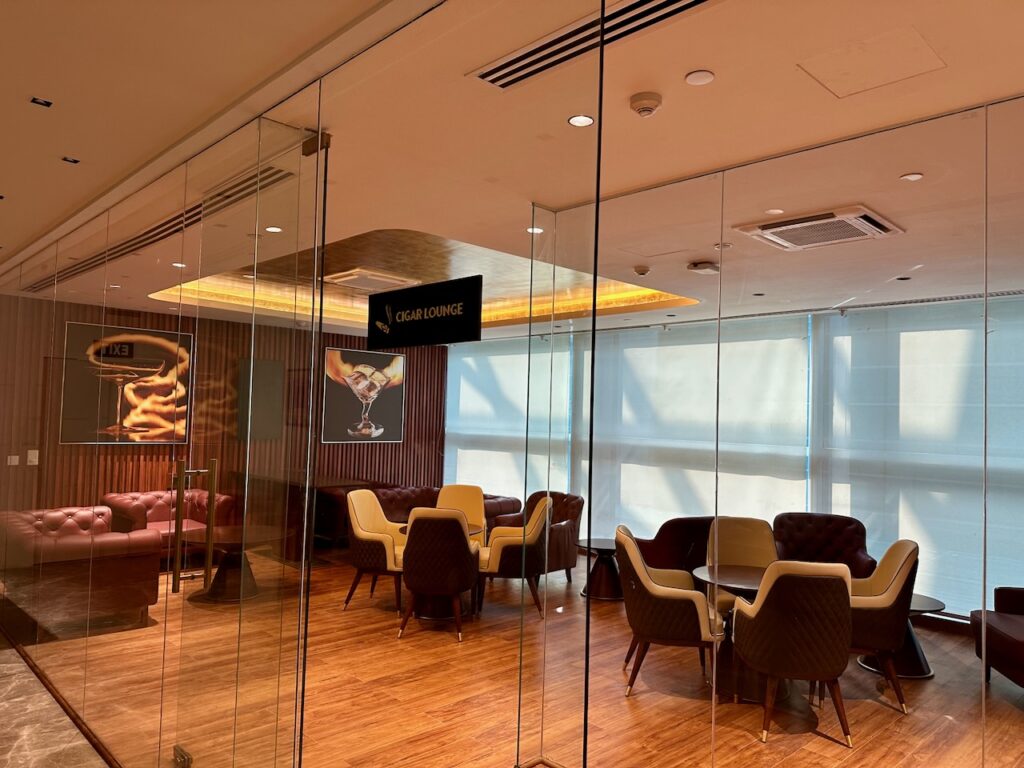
{"x":369,"y":281}
{"x":843,"y":225}
{"x":581,"y":37}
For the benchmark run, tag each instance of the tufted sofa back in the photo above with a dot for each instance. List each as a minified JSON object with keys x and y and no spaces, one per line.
{"x":814,"y":537}
{"x":71,"y":521}
{"x":134,"y":510}
{"x":398,"y":501}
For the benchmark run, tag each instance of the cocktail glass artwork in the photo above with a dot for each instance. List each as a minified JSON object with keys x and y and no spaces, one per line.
{"x":119,"y":374}
{"x":366,"y":382}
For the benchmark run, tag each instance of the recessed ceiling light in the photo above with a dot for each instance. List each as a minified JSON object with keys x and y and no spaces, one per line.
{"x":1,"y":197}
{"x":178,"y":264}
{"x":41,"y":102}
{"x":274,"y":230}
{"x":114,"y":285}
{"x":699,"y":77}
{"x":71,"y":160}
{"x":722,"y":246}
{"x":581,"y":121}
{"x":915,"y":176}
{"x":535,"y":230}
{"x":774,"y":211}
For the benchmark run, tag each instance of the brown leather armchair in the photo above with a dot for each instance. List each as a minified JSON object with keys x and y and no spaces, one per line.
{"x":813,"y":537}
{"x":398,"y":502}
{"x":1003,"y":647}
{"x":798,"y":627}
{"x":65,"y":568}
{"x":881,"y":609}
{"x":662,"y":607}
{"x":439,"y":560}
{"x":680,"y":544}
{"x":563,"y":529}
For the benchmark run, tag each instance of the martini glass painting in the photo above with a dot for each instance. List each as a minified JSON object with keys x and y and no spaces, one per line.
{"x":120,"y":374}
{"x":366,"y":382}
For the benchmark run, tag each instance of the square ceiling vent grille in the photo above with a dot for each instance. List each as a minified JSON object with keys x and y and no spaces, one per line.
{"x":820,"y":229}
{"x":369,"y":281}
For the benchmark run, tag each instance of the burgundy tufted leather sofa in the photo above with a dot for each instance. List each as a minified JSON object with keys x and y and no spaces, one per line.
{"x":66,"y":568}
{"x":154,"y":510}
{"x":1003,"y":649}
{"x":397,"y":501}
{"x":822,"y":538}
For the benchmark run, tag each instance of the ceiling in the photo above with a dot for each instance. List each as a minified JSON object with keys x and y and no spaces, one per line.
{"x":420,"y":144}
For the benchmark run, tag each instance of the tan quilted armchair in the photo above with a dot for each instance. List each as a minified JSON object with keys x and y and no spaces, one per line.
{"x":376,"y":544}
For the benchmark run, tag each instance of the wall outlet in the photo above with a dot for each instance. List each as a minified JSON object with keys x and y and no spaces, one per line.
{"x":13,"y":461}
{"x":32,"y":458}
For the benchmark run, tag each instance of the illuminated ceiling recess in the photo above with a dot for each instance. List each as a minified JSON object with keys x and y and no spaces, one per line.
{"x":402,"y":258}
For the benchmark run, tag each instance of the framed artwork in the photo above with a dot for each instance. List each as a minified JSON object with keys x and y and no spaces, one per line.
{"x":364,"y":397}
{"x":127,"y":386}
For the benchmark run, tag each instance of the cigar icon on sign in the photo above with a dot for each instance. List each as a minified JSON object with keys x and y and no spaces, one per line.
{"x":385,"y":327}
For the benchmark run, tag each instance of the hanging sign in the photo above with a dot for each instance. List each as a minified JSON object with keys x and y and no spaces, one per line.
{"x":436,"y":313}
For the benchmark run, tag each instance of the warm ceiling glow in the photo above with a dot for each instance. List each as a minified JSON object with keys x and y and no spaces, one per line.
{"x":274,"y":230}
{"x":232,"y":291}
{"x":581,"y":121}
{"x":535,"y":230}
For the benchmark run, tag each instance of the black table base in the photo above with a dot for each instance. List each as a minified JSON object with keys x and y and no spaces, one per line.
{"x":232,"y":582}
{"x":910,"y":661}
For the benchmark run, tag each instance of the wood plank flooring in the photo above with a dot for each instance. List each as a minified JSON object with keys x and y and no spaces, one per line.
{"x":373,"y":700}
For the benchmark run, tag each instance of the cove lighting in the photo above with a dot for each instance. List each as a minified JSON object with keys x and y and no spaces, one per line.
{"x":581,"y":121}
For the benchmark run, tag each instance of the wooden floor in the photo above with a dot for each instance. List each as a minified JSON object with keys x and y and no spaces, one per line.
{"x":373,"y":700}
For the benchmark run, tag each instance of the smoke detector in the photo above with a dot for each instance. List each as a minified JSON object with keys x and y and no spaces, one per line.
{"x":703,"y":267}
{"x":645,"y":104}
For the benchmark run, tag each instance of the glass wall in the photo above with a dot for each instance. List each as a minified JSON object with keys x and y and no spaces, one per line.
{"x":158,"y":441}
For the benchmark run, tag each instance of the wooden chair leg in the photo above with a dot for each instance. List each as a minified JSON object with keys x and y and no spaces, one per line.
{"x":408,"y":613}
{"x":821,"y":694}
{"x":894,"y":680}
{"x":532,"y":581}
{"x":769,"y":705}
{"x":373,"y":584}
{"x":640,"y":653}
{"x":457,"y":610}
{"x":398,"y":593}
{"x":568,"y":575}
{"x":632,"y":648}
{"x":352,"y":589}
{"x":837,"y":701}
{"x":988,"y":673}
{"x":810,"y":695}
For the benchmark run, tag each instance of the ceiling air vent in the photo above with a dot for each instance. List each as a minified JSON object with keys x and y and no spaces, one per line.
{"x":368,"y":281}
{"x":580,"y":37}
{"x":840,"y":226}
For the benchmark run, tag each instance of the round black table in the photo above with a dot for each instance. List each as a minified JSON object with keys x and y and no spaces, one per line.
{"x":743,"y":580}
{"x":604,"y":581}
{"x":233,"y":580}
{"x":910,"y":661}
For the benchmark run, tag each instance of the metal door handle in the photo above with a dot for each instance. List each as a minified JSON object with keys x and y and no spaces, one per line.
{"x":181,"y":475}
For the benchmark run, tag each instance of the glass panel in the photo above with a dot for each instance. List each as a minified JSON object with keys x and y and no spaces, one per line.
{"x":1004,"y":458}
{"x":653,"y":470}
{"x":852,"y":370}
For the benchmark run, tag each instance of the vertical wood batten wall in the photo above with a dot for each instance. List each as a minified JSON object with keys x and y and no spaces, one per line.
{"x":31,"y":382}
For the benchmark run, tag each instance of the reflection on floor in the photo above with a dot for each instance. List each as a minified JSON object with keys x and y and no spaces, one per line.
{"x":34,"y":731}
{"x":373,"y":700}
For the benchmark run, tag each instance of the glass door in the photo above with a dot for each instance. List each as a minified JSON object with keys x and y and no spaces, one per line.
{"x":246,"y":290}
